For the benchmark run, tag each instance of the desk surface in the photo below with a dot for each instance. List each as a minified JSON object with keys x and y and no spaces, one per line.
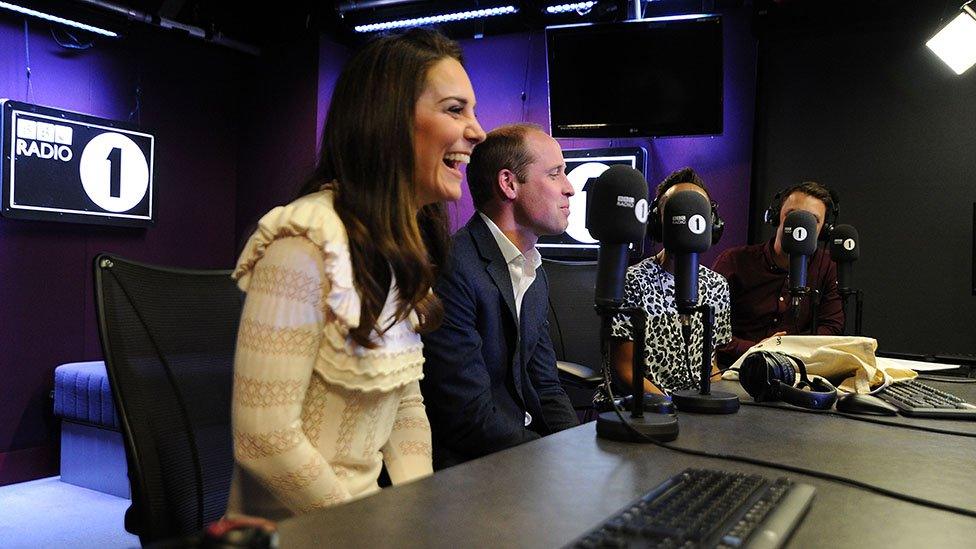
{"x":548,"y":492}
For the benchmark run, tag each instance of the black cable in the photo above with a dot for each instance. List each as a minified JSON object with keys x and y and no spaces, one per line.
{"x":795,"y":469}
{"x":866,"y":419}
{"x":525,"y":81}
{"x":77,"y":45}
{"x":27,"y":62}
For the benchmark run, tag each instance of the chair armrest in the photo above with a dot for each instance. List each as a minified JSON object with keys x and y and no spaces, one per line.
{"x":578,"y":373}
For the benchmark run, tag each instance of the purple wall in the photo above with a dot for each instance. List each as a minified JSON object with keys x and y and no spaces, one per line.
{"x":500,"y":67}
{"x":190,"y":102}
{"x":279,"y":131}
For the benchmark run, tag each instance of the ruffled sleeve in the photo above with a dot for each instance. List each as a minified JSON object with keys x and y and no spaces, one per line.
{"x":314,"y":217}
{"x":398,"y":358}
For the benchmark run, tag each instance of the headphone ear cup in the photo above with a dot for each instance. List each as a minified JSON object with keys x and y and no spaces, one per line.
{"x":718,"y":225}
{"x":824,"y":235}
{"x":771,"y":215}
{"x":654,"y":227}
{"x":754,"y":376}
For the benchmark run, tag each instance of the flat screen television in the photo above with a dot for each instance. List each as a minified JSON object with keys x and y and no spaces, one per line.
{"x":643,"y":78}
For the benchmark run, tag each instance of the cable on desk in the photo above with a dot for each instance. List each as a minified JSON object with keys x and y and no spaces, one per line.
{"x":866,"y":419}
{"x":803,"y":471}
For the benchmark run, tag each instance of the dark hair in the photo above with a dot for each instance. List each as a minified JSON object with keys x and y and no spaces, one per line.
{"x":677,"y":177}
{"x":368,"y":158}
{"x":503,"y":148}
{"x":814,"y":189}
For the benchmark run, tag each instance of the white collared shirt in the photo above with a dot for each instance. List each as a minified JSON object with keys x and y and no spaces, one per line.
{"x":521,"y":267}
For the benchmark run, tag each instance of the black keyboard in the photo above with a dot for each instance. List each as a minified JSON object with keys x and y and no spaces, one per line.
{"x":707,"y":509}
{"x":916,"y":399}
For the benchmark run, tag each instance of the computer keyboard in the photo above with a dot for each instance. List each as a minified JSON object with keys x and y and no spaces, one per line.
{"x":701,"y":508}
{"x":916,"y":399}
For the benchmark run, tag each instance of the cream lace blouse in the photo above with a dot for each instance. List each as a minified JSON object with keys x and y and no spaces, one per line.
{"x":314,"y":414}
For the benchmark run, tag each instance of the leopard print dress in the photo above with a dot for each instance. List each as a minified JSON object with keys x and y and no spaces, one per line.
{"x":650,"y":287}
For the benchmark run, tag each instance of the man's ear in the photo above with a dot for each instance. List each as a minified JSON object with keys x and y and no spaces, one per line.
{"x":507,"y":184}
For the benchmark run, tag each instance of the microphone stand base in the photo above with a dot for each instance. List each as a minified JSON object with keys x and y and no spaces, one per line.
{"x":658,"y":427}
{"x":716,"y":402}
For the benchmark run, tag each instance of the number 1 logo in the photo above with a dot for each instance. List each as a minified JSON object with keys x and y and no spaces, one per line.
{"x":114,"y":172}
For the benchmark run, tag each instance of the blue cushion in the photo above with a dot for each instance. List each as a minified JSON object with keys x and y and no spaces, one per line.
{"x":81,"y":393}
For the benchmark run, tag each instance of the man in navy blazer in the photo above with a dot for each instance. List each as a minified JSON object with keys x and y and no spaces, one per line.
{"x":490,"y":379}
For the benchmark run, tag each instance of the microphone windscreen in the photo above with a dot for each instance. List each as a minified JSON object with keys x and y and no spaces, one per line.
{"x":844,"y":243}
{"x":800,"y":233}
{"x":617,"y":211}
{"x":687,"y":223}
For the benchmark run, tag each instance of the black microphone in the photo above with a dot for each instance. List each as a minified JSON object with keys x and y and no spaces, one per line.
{"x":845,"y":248}
{"x":800,"y":242}
{"x":616,"y":216}
{"x":686,"y":231}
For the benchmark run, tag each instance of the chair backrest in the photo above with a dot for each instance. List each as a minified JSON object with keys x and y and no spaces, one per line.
{"x":168,"y":337}
{"x":573,"y":323}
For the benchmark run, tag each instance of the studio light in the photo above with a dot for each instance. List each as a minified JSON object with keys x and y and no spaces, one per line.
{"x":435,"y":19}
{"x":955,"y":44}
{"x":566,"y":8}
{"x":56,"y":19}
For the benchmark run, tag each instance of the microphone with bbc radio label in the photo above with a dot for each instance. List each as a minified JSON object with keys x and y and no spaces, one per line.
{"x":616,"y":216}
{"x":799,"y":242}
{"x":845,"y":248}
{"x":687,"y":232}
{"x":686,"y":229}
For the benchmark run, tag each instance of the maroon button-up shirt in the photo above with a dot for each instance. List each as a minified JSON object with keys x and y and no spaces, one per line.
{"x":761,"y":301}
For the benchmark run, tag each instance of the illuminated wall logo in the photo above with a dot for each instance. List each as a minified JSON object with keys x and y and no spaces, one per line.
{"x":65,"y":166}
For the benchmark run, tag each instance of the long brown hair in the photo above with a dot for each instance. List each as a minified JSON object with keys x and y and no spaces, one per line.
{"x":368,"y":156}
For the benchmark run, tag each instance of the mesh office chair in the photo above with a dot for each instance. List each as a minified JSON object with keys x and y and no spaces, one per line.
{"x":168,"y":337}
{"x":575,"y":328}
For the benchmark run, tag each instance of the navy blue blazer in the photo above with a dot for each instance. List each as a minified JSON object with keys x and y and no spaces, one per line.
{"x":483,"y":368}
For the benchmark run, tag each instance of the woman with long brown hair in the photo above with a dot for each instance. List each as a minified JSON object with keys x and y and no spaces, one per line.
{"x":338,"y":287}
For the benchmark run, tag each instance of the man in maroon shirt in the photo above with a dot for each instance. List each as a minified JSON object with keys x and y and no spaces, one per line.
{"x":758,"y":278}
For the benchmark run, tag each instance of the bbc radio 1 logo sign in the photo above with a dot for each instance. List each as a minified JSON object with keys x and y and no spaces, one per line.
{"x":64,"y":166}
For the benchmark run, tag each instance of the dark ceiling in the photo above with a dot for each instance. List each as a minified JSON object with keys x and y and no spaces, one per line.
{"x":273,"y":23}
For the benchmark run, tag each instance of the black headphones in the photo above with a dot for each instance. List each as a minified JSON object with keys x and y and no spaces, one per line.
{"x":770,"y":376}
{"x":772,"y":213}
{"x":656,"y":230}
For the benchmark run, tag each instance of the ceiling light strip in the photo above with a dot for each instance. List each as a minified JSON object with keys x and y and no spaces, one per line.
{"x":435,"y":19}
{"x":56,"y":19}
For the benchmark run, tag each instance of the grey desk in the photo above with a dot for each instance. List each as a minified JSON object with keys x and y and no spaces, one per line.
{"x":548,"y":492}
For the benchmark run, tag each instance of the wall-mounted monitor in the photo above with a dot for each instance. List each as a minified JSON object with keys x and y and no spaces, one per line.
{"x":64,"y":166}
{"x":583,"y":166}
{"x":644,"y":78}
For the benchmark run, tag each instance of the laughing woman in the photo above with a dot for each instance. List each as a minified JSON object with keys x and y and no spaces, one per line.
{"x":338,"y":287}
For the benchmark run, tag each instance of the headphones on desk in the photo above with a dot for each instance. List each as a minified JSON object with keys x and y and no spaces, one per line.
{"x":770,"y":376}
{"x":772,"y":214}
{"x":656,"y":230}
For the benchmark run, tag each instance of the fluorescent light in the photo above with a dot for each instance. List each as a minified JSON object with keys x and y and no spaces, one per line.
{"x":564,"y":8}
{"x":645,"y":20}
{"x":59,"y":20}
{"x":434,"y":19}
{"x":678,"y":17}
{"x":955,"y":44}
